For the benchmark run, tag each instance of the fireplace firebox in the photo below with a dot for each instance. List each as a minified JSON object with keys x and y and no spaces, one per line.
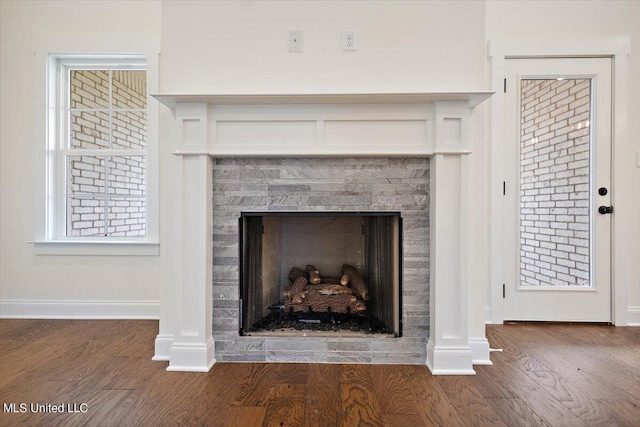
{"x":319,"y":273}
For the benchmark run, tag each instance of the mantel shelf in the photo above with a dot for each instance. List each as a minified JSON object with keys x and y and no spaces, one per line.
{"x":473,"y":97}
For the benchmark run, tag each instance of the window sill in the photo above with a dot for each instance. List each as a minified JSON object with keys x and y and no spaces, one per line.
{"x":94,"y":248}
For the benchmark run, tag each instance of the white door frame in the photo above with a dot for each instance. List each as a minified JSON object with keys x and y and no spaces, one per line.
{"x":616,"y":48}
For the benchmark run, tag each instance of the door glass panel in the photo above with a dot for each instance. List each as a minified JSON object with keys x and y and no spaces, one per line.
{"x":555,"y":141}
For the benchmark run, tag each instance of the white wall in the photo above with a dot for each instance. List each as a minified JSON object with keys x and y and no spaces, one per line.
{"x":39,"y":285}
{"x":567,"y":19}
{"x":241,"y":47}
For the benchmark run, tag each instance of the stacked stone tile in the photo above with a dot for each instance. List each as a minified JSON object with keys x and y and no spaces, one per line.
{"x":324,"y":184}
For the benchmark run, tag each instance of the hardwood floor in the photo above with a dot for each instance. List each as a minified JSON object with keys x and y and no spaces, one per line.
{"x":548,"y":375}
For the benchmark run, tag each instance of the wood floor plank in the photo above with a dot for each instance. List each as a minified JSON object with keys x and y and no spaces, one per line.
{"x":493,"y":386}
{"x":212,"y":405}
{"x":515,"y":370}
{"x":616,"y":349}
{"x":35,"y":352}
{"x":568,"y":349}
{"x":516,"y":413}
{"x":120,"y":414}
{"x":506,"y":336}
{"x":568,"y":375}
{"x":390,"y":383}
{"x":16,"y":333}
{"x":403,"y":420}
{"x":27,"y":393}
{"x":256,"y":387}
{"x":359,"y":402}
{"x":572,"y":398}
{"x":286,"y":406}
{"x":468,"y":401}
{"x":107,"y":408}
{"x":590,"y":381}
{"x":177,"y":400}
{"x":588,"y":362}
{"x":324,"y":403}
{"x":625,"y":411}
{"x":118,"y":373}
{"x":433,"y":405}
{"x":245,"y":416}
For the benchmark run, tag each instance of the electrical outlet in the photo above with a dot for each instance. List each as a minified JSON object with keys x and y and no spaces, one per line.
{"x":295,"y":41}
{"x":348,"y":39}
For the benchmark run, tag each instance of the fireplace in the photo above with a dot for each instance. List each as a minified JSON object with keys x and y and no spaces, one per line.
{"x":337,"y":155}
{"x":321,"y":273}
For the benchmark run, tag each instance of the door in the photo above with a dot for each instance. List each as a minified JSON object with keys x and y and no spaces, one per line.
{"x":557,"y":189}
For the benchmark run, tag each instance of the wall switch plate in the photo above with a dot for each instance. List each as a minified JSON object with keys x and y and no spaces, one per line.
{"x":295,"y":41}
{"x":348,"y":39}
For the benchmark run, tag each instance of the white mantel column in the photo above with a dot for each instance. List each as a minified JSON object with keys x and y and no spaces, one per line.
{"x":448,"y":350}
{"x":192,"y":348}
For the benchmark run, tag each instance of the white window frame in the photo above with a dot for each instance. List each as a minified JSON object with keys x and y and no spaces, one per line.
{"x":51,"y":236}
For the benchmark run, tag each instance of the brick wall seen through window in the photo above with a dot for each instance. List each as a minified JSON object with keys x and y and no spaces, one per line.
{"x":105,"y":156}
{"x":554,"y":182}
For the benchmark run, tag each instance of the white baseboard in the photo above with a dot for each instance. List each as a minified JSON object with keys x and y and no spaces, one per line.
{"x":189,"y":357}
{"x":33,"y":309}
{"x":447,"y":360}
{"x":634,"y":316}
{"x":480,"y":351}
{"x":163,"y":347}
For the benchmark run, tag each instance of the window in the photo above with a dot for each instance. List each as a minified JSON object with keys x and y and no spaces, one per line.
{"x":97,"y":187}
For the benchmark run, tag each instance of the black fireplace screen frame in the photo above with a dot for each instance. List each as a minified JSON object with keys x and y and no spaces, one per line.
{"x":251,"y":258}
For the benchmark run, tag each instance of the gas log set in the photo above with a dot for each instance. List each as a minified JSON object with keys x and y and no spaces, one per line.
{"x":311,"y":292}
{"x":314,"y":302}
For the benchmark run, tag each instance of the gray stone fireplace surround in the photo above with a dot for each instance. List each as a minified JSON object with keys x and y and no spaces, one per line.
{"x":321,"y":184}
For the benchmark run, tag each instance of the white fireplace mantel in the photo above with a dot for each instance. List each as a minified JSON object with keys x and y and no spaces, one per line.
{"x":383,"y":124}
{"x":308,"y":125}
{"x":474,"y":98}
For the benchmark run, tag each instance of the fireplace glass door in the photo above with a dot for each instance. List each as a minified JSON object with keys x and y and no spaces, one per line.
{"x":336,"y":273}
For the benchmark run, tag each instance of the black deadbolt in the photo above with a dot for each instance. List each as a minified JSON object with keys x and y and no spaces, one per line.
{"x":602,"y":191}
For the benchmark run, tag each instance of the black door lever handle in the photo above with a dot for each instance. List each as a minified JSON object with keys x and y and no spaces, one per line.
{"x":605,"y":210}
